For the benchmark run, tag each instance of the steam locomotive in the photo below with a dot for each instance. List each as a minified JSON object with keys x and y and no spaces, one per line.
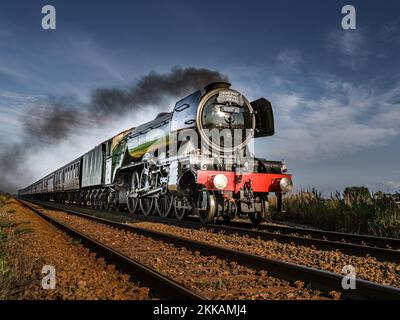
{"x":195,"y":160}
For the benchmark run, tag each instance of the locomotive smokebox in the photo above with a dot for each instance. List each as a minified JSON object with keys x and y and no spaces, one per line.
{"x":225,"y":118}
{"x":217,"y":85}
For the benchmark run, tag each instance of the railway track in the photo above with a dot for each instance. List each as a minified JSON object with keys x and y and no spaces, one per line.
{"x":364,"y":240}
{"x":384,"y":249}
{"x":318,"y":279}
{"x":162,"y":286}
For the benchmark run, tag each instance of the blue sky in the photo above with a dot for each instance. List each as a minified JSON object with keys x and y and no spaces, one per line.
{"x":336,"y":93}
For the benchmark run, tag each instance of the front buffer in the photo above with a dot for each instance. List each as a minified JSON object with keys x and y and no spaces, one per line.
{"x":244,"y":193}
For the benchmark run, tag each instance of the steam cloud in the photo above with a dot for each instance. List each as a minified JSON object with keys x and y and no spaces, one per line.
{"x":54,"y":123}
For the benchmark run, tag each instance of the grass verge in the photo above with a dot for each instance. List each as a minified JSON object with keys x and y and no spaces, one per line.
{"x":355,"y":213}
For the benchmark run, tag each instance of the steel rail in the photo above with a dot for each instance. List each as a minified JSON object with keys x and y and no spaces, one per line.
{"x":160,"y":284}
{"x":372,"y":241}
{"x":318,"y":279}
{"x":384,"y":254}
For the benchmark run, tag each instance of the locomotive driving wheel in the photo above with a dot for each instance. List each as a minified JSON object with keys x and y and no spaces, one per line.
{"x":111,"y":199}
{"x":181,"y":207}
{"x":164,"y":204}
{"x":146,"y":203}
{"x":105,"y":199}
{"x":100,"y":199}
{"x":165,"y":200}
{"x":133,"y":202}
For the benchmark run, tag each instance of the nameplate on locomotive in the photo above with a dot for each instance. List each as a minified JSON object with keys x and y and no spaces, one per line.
{"x":231,"y":97}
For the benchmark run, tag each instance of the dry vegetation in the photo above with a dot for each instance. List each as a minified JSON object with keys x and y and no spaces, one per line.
{"x":355,"y":212}
{"x":5,"y":271}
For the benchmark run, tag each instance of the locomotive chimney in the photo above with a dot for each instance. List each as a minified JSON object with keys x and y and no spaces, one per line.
{"x":217,"y":85}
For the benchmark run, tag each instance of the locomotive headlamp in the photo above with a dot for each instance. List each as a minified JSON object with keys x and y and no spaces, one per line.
{"x":220,"y":181}
{"x":286,"y":185}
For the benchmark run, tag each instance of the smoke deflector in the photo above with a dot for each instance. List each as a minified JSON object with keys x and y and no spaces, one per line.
{"x":264,"y":118}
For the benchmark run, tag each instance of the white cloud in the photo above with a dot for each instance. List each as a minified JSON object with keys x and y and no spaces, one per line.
{"x":389,"y":33}
{"x":8,"y":98}
{"x":85,"y":51}
{"x":345,"y":119}
{"x":289,"y":60}
{"x":350,"y":46}
{"x":13,"y":105}
{"x":12,"y":72}
{"x":385,"y":186}
{"x":288,"y":102}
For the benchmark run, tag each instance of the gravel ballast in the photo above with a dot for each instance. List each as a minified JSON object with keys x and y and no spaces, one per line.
{"x":210,"y":276}
{"x":367,"y":268}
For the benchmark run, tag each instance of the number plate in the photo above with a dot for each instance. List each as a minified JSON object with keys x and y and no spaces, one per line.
{"x":230,"y":109}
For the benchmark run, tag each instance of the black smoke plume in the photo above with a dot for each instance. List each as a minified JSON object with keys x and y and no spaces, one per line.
{"x":55,"y":122}
{"x":151,"y":89}
{"x":50,"y":124}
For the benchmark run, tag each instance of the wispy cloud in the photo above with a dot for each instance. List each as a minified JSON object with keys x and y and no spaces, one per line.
{"x":350,"y":46}
{"x":12,"y":106}
{"x":289,"y":60}
{"x":86,"y":51}
{"x":385,"y":186}
{"x":389,"y":33}
{"x":345,"y":119}
{"x":12,"y":72}
{"x":85,"y":62}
